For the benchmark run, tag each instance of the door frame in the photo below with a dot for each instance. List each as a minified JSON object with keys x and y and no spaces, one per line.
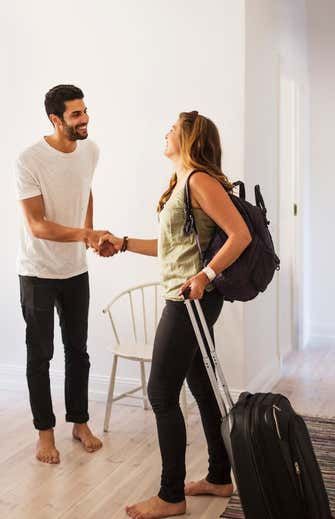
{"x":296,"y":113}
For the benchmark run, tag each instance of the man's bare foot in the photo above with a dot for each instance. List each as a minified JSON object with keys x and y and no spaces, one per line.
{"x":155,"y":508}
{"x":204,"y":487}
{"x":83,"y":433}
{"x":46,"y":450}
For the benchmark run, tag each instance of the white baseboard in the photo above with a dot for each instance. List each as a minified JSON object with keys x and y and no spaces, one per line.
{"x":13,"y":378}
{"x":321,"y":334}
{"x":320,"y":340}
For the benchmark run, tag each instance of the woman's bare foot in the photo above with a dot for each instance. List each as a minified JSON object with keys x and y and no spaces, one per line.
{"x":83,"y":433}
{"x":46,"y":450}
{"x":155,"y":508}
{"x":204,"y":487}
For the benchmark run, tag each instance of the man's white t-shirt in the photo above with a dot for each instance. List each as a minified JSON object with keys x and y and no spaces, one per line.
{"x":64,"y":181}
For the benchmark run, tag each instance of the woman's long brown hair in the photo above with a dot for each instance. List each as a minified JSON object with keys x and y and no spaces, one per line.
{"x":200,"y":149}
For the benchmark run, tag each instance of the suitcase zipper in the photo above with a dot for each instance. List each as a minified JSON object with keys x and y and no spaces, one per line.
{"x":274,"y":409}
{"x":298,"y":473}
{"x":295,"y":463}
{"x":302,"y":493}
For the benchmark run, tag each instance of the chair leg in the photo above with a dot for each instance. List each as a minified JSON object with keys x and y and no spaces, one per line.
{"x":183,"y":405}
{"x":144,"y":386}
{"x":110,"y":394}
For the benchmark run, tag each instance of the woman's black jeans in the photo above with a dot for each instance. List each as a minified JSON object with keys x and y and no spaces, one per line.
{"x":39,"y":297}
{"x":176,"y":356}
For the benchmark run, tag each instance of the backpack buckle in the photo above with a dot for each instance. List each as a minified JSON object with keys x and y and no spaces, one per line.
{"x":189,"y":224}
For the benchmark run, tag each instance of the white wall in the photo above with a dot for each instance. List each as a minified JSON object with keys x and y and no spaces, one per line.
{"x":321,"y":22}
{"x":260,"y":326}
{"x":139,"y":64}
{"x":275,"y":33}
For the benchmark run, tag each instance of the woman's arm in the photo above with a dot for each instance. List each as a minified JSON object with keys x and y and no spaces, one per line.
{"x":208,"y":194}
{"x":146,"y":247}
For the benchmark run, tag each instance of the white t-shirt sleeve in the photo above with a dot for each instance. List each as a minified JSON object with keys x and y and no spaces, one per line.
{"x":27,"y":185}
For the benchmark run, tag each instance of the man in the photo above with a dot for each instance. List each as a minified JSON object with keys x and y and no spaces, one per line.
{"x":54,"y":179}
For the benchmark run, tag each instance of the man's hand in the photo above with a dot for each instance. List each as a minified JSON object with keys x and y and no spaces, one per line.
{"x":93,"y":237}
{"x":109,"y":245}
{"x":107,"y":250}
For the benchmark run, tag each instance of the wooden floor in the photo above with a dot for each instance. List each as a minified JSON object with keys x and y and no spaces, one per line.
{"x":127,"y":469}
{"x":309,"y":381}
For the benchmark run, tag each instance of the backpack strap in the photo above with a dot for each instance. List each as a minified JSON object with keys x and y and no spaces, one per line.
{"x":242,"y":188}
{"x":260,"y":202}
{"x":189,"y":225}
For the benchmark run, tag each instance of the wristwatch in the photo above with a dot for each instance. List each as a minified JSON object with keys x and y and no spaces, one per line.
{"x":210,"y":273}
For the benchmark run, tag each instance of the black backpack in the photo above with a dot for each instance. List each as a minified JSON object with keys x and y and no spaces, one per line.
{"x":254,"y":269}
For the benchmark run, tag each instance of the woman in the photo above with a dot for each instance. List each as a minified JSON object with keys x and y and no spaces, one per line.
{"x":193,"y":143}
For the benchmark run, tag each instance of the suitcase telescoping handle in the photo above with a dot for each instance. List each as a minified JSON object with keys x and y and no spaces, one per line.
{"x":225,"y":405}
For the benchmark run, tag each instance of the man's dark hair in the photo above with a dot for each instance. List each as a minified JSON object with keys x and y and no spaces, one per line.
{"x":55,"y":99}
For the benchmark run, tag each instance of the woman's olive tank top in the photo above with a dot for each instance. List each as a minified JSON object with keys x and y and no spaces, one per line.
{"x":178,"y":253}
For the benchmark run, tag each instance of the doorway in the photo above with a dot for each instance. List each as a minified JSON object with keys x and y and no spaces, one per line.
{"x":290,"y":277}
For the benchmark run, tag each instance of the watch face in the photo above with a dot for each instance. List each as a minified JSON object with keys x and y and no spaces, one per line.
{"x":209,"y":273}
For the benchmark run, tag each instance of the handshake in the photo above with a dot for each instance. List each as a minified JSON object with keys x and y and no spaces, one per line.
{"x":104,"y":243}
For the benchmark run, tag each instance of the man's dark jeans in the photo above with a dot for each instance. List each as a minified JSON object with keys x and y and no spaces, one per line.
{"x":39,"y":296}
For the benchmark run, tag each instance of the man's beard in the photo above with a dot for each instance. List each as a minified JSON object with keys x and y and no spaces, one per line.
{"x":72,"y":134}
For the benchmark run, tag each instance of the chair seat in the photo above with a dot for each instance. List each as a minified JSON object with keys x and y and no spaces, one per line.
{"x":133,"y":351}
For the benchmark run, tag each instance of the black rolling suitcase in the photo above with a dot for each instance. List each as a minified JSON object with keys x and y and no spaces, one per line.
{"x":271,"y":454}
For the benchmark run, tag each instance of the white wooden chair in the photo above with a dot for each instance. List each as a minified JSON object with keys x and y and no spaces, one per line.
{"x":138,"y":347}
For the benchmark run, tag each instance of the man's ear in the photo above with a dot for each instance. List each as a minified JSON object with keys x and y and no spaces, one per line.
{"x":55,"y":120}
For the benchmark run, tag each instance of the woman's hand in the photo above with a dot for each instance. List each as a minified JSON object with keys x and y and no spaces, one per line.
{"x":109,"y":245}
{"x":196,"y":285}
